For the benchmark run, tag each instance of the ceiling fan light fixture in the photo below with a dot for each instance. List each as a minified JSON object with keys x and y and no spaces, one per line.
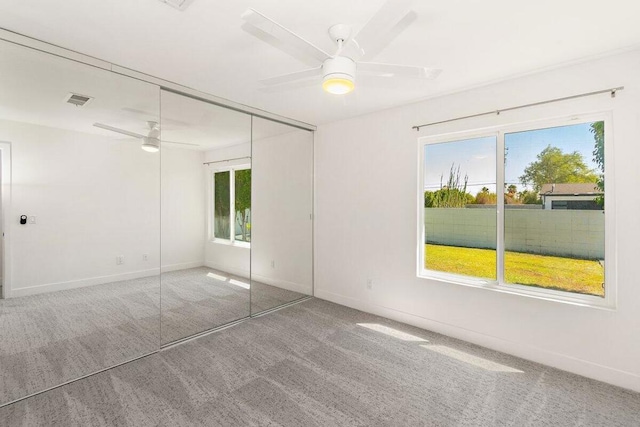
{"x":337,"y":85}
{"x":338,"y":75}
{"x":150,"y":144}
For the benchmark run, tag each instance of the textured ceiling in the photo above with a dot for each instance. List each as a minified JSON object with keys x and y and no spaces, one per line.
{"x":205,"y":48}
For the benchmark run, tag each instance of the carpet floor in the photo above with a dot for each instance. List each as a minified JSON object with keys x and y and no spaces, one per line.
{"x":52,"y":338}
{"x":321,"y":364}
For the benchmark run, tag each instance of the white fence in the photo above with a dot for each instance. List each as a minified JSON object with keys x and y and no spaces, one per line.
{"x":572,"y":233}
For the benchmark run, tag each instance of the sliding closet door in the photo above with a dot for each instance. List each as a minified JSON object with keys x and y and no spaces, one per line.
{"x":206,"y":216}
{"x":282,"y":227}
{"x":81,"y":220}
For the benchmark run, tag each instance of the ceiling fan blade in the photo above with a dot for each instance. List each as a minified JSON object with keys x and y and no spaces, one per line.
{"x":295,"y":85}
{"x":118,"y":130}
{"x":392,"y":18}
{"x":393,"y":70}
{"x":280,"y":37}
{"x":180,"y":143}
{"x":292,"y":77}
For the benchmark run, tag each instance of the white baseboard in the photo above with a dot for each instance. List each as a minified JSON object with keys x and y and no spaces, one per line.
{"x":225,"y":268}
{"x":182,"y":266}
{"x":100,"y":280}
{"x":81,"y":283}
{"x":282,"y":284}
{"x":585,"y":368}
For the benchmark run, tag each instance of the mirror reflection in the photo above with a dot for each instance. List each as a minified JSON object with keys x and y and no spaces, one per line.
{"x":80,"y":218}
{"x":206,"y":216}
{"x":125,"y":229}
{"x":282,"y":230}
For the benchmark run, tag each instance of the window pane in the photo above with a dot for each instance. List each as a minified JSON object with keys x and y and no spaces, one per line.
{"x":554,"y":218}
{"x":460,"y":207}
{"x":243,"y":205}
{"x":222,"y":205}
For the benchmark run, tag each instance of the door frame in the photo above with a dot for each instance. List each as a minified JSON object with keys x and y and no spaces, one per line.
{"x":5,"y":209}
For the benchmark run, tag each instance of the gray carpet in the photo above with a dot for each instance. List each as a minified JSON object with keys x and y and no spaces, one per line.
{"x":52,"y":338}
{"x":198,"y":299}
{"x":320,"y":364}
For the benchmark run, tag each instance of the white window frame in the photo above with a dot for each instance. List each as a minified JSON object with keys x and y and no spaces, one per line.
{"x":232,"y":205}
{"x":499,"y":285}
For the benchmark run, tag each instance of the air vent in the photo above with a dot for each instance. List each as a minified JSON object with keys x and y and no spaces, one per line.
{"x":77,"y":100}
{"x":178,"y":4}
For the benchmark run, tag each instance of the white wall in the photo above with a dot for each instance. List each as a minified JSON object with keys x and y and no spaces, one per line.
{"x":232,"y":259}
{"x":94,"y":198}
{"x":366,"y":193}
{"x":282,"y":203}
{"x":183,"y":208}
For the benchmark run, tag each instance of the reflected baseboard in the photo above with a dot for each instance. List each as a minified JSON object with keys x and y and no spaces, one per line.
{"x":182,"y":266}
{"x":282,"y":284}
{"x":98,"y":280}
{"x":231,"y":270}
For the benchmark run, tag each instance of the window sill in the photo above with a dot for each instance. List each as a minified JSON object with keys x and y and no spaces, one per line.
{"x":581,"y":300}
{"x":230,"y":243}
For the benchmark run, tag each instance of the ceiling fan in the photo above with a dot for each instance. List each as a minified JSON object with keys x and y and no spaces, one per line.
{"x":338,"y":71}
{"x":151,"y":142}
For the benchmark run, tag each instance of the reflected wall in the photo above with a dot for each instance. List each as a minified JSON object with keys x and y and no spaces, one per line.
{"x":206,"y":214}
{"x":282,"y":226}
{"x":81,"y":217}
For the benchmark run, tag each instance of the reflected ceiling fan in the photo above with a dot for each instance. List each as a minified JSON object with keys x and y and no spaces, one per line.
{"x":338,"y":71}
{"x":151,"y":142}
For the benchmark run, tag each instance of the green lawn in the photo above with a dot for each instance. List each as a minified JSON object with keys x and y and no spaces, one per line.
{"x":553,"y":272}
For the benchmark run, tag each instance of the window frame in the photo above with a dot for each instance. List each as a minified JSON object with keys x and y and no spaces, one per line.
{"x":499,"y":131}
{"x":232,"y":205}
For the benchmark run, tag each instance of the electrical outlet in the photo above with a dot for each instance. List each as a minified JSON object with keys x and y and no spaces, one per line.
{"x":120,"y":260}
{"x":369,"y":284}
{"x":145,"y":257}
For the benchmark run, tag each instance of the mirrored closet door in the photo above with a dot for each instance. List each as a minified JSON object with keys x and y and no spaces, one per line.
{"x":282,"y":207}
{"x":80,"y":217}
{"x":206,"y":216}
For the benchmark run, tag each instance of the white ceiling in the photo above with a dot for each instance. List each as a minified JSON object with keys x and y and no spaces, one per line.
{"x":34,"y":85}
{"x":204,"y":47}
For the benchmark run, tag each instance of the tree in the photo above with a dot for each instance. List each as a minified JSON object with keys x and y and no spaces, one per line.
{"x":451,"y":195}
{"x":511,"y":197}
{"x":222,"y":203}
{"x":528,"y":197}
{"x":597,"y":129}
{"x":484,"y":197}
{"x":554,"y":166}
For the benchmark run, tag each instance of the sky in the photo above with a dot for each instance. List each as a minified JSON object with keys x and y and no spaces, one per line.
{"x":476,"y":157}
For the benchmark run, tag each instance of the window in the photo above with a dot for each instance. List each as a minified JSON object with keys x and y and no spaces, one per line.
{"x":232,"y":199}
{"x":542,"y":233}
{"x":460,"y":207}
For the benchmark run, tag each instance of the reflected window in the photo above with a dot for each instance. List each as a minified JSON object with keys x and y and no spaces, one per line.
{"x":242,"y":199}
{"x":222,"y":205}
{"x":232,"y":200}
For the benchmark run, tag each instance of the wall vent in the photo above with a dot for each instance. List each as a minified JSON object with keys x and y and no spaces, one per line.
{"x":178,"y":4}
{"x":77,"y":100}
